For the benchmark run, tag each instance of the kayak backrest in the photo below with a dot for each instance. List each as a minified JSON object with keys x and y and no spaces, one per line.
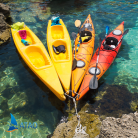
{"x":59,"y":49}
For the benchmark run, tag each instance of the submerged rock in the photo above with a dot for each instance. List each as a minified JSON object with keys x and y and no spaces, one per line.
{"x":4,"y":27}
{"x":124,"y":127}
{"x":17,"y":101}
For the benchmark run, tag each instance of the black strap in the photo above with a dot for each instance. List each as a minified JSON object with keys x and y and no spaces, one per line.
{"x":59,"y":49}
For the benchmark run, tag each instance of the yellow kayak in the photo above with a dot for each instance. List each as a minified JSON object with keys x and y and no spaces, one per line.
{"x":60,"y":50}
{"x":38,"y":60}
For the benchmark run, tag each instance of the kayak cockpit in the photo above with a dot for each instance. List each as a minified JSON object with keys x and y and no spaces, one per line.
{"x":60,"y":50}
{"x":110,"y":43}
{"x":36,"y":56}
{"x":85,"y":36}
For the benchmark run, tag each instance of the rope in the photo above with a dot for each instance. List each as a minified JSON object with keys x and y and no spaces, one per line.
{"x":79,"y":128}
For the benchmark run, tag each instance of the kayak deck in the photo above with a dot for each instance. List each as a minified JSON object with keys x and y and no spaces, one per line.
{"x":106,"y":57}
{"x":58,"y":39}
{"x":38,"y":60}
{"x":84,"y":53}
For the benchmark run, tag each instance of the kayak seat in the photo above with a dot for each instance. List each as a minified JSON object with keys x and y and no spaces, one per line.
{"x":110,"y":43}
{"x":85,"y":36}
{"x":36,"y":56}
{"x":59,"y":49}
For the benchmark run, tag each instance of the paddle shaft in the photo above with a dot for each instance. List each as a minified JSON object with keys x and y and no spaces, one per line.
{"x":74,"y":48}
{"x":126,"y":31}
{"x":96,"y":64}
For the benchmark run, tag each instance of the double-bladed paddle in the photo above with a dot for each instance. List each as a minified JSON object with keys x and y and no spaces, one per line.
{"x":107,"y":29}
{"x":126,"y":31}
{"x":74,"y":35}
{"x":94,"y":82}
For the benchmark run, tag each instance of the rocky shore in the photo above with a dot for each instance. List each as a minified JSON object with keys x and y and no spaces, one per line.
{"x":124,"y":127}
{"x":110,"y":127}
{"x":4,"y":26}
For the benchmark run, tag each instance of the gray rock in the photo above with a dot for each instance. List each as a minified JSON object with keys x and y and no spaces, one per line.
{"x":124,"y":127}
{"x":4,"y":9}
{"x":4,"y":27}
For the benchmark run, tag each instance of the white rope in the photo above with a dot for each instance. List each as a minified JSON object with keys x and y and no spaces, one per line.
{"x":79,"y":128}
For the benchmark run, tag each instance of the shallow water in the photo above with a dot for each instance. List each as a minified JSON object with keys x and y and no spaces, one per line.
{"x":26,"y":97}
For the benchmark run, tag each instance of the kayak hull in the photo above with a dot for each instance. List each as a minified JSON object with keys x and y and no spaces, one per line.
{"x":106,"y":57}
{"x":84,"y":54}
{"x":58,"y":35}
{"x":38,"y":60}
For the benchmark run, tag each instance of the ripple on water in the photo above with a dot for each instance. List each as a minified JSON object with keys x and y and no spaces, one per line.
{"x":15,"y":75}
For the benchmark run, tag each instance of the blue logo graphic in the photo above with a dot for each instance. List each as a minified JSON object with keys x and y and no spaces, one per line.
{"x":13,"y":124}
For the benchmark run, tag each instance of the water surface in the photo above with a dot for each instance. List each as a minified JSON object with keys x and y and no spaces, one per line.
{"x":27,"y":98}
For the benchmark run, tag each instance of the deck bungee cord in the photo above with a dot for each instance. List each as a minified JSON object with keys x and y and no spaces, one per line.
{"x":106,"y":58}
{"x":111,"y":55}
{"x":82,"y":51}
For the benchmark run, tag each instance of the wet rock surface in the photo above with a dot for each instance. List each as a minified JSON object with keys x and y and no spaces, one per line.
{"x":4,"y":26}
{"x":90,"y":126}
{"x":124,"y":127}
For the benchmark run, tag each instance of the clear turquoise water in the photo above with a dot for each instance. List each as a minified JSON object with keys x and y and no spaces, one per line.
{"x":35,"y":101}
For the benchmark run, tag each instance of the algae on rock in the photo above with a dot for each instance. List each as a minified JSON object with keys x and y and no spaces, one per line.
{"x":67,"y":130}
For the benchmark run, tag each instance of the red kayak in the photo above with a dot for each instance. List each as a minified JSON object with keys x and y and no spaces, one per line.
{"x":106,"y":55}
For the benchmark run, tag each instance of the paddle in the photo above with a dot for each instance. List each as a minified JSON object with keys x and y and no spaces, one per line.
{"x":74,"y":35}
{"x":107,"y":29}
{"x":94,"y":82}
{"x":126,"y":31}
{"x":77,"y":24}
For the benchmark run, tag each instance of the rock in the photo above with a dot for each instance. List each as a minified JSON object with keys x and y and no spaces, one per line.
{"x":5,"y":36}
{"x":17,"y":101}
{"x":126,"y":126}
{"x":5,"y":10}
{"x":67,"y":130}
{"x":4,"y":27}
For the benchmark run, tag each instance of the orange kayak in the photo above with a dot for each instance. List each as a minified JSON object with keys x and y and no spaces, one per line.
{"x":83,"y":53}
{"x":108,"y":51}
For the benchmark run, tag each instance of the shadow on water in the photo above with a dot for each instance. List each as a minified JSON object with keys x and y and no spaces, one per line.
{"x":44,"y":91}
{"x":67,"y":7}
{"x":111,"y":100}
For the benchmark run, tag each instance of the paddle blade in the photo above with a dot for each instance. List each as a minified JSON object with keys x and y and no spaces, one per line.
{"x":74,"y":65}
{"x":77,"y":23}
{"x":126,"y":31}
{"x":74,"y":35}
{"x":93,"y":82}
{"x":107,"y":29}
